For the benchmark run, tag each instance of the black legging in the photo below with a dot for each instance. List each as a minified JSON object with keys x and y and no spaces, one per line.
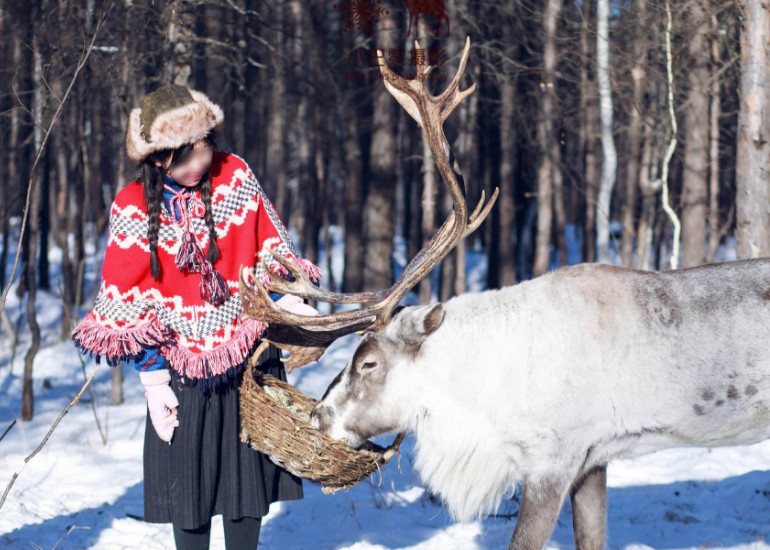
{"x":240,"y":534}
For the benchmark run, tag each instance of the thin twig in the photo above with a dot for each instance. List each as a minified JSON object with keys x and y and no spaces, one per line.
{"x":93,"y":402}
{"x":69,"y":530}
{"x":671,"y":145}
{"x":47,"y":435}
{"x":8,"y":429}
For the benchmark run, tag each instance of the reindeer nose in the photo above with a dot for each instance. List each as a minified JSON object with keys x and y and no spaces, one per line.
{"x":321,"y":417}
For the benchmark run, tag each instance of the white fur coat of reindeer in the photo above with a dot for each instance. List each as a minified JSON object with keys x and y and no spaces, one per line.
{"x":546,"y":381}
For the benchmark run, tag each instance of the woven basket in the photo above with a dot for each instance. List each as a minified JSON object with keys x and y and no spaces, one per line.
{"x":274,"y":421}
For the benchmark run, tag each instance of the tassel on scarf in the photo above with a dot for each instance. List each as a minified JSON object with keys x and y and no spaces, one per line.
{"x":213,"y":288}
{"x":190,"y":258}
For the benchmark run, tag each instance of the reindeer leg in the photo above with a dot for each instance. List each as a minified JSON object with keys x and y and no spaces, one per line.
{"x":540,"y":505}
{"x":589,"y":508}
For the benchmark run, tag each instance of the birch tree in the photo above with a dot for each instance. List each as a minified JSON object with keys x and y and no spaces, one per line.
{"x":610,"y":156}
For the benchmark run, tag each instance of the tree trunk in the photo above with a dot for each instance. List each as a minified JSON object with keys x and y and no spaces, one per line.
{"x":307,"y":133}
{"x":696,"y":148}
{"x":610,"y":157}
{"x":560,"y":215}
{"x":649,"y":190}
{"x":27,"y":392}
{"x":18,"y":169}
{"x":354,"y":249}
{"x":178,"y":67}
{"x":428,"y":202}
{"x":44,"y":278}
{"x":5,"y":158}
{"x":753,"y":148}
{"x":639,"y":76}
{"x":378,"y":213}
{"x":467,"y":147}
{"x":545,"y":139}
{"x":275,"y":161}
{"x":64,"y":213}
{"x":715,"y":113}
{"x":502,"y":254}
{"x":78,"y":180}
{"x":588,"y":135}
{"x":432,"y":196}
{"x":453,"y":276}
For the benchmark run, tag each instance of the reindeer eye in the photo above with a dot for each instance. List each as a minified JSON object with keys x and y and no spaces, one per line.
{"x":369,"y":365}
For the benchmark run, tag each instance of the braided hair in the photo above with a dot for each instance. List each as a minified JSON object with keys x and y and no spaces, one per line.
{"x":152,"y":178}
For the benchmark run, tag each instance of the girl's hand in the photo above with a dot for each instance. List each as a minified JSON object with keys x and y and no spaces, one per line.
{"x":295,"y":304}
{"x":161,"y":402}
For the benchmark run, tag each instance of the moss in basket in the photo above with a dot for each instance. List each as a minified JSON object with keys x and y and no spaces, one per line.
{"x":285,"y":401}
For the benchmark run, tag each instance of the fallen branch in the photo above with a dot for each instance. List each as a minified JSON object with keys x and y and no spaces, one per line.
{"x":47,"y":435}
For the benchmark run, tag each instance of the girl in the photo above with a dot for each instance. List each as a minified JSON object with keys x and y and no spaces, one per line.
{"x":174,"y":310}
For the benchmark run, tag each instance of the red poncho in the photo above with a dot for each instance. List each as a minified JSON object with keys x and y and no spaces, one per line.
{"x":133,"y":311}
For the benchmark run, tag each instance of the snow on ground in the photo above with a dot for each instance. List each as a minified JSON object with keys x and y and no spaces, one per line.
{"x":79,"y":493}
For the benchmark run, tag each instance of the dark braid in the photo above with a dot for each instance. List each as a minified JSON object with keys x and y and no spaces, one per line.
{"x":152,"y":184}
{"x":213,"y":251}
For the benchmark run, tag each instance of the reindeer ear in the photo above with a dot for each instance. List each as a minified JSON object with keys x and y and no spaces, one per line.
{"x":415,"y":324}
{"x":433,"y":319}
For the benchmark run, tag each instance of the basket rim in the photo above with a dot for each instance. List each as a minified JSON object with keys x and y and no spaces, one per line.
{"x":374,"y":450}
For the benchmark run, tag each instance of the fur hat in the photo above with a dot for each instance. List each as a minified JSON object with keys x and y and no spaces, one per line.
{"x":170,"y":117}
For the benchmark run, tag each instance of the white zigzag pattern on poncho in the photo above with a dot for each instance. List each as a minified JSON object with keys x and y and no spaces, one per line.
{"x":128,"y":226}
{"x":188,"y":321}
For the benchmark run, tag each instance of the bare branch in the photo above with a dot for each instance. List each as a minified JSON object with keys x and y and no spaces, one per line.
{"x":47,"y":436}
{"x":81,"y":63}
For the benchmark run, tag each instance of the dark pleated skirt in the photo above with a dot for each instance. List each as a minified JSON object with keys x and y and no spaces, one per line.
{"x":207,"y":470}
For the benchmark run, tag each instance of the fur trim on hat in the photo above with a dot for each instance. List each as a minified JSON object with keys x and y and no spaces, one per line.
{"x":173,"y":128}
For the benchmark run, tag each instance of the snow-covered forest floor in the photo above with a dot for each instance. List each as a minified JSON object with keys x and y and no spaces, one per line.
{"x":79,"y":493}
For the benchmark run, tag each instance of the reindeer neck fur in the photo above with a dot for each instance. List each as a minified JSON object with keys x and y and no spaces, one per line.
{"x":474,"y":468}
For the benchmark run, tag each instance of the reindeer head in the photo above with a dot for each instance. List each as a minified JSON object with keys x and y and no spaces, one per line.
{"x":394,"y":336}
{"x":366,"y":399}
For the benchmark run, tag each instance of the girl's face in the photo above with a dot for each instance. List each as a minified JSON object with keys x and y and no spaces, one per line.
{"x":189,"y":171}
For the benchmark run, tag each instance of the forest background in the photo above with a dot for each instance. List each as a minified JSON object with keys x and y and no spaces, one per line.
{"x":627,"y":131}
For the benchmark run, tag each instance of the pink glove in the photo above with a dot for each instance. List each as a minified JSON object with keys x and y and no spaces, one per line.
{"x":292,"y":303}
{"x":161,"y":402}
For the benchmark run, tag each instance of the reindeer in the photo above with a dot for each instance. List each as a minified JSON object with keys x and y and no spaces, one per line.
{"x":434,"y":7}
{"x":542,"y":383}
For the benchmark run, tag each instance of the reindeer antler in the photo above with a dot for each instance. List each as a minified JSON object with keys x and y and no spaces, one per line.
{"x":307,"y":337}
